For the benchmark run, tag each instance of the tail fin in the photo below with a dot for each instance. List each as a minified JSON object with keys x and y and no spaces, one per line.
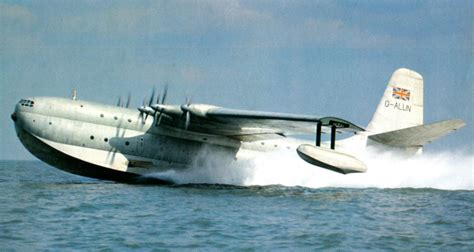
{"x":401,"y":105}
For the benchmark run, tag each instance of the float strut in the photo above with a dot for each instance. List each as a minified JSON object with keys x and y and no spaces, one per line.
{"x":333,"y":137}
{"x":318,"y":134}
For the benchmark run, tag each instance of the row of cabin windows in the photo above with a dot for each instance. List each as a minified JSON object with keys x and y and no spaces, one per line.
{"x":116,"y":118}
{"x":127,"y":143}
{"x":26,"y":103}
{"x":276,"y":145}
{"x":31,"y":103}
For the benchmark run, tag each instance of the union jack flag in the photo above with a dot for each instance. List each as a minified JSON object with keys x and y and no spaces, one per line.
{"x":401,"y":93}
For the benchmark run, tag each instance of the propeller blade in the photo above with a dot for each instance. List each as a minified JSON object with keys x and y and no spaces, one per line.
{"x":128,"y":100}
{"x":119,"y":102}
{"x":188,"y":120}
{"x":158,"y":116}
{"x":151,"y":97}
{"x":140,"y":116}
{"x":159,"y":119}
{"x":165,"y":92}
{"x":158,"y":99}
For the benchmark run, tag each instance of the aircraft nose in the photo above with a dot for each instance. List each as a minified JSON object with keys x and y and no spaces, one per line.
{"x":14,"y":117}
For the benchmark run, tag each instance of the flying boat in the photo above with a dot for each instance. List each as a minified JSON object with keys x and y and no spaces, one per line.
{"x":124,"y":144}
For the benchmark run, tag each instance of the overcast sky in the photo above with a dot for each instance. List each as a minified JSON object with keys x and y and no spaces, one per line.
{"x":310,"y":57}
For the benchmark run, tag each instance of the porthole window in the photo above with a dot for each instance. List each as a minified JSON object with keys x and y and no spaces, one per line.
{"x":92,"y":137}
{"x":115,"y":118}
{"x":101,"y":115}
{"x":50,"y":123}
{"x":127,"y":143}
{"x":82,"y":106}
{"x":106,"y":139}
{"x":129,"y":120}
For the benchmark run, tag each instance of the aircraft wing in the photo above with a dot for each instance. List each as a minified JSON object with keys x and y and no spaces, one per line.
{"x":248,"y":125}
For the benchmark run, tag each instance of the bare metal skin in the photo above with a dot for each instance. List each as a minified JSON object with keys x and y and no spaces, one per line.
{"x":118,"y":143}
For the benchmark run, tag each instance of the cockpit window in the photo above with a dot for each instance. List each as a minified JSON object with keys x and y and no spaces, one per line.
{"x":27,"y":103}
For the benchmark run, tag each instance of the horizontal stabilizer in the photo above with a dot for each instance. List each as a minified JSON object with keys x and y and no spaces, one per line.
{"x":418,"y":135}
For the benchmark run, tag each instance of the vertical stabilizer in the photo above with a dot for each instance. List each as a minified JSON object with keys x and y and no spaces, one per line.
{"x":401,"y":105}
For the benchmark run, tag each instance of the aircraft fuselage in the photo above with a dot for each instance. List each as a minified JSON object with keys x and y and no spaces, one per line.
{"x":83,"y":137}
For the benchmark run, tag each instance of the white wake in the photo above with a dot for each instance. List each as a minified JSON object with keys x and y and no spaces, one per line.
{"x":446,"y":170}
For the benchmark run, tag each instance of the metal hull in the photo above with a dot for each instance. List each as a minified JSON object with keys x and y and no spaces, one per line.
{"x":76,"y":166}
{"x":105,"y":142}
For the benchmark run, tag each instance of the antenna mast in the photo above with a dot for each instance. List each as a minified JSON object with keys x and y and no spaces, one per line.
{"x":74,"y":94}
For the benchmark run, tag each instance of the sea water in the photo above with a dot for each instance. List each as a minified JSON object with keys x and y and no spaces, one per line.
{"x":425,"y":203}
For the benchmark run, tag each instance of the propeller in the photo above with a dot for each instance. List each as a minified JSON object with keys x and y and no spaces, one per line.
{"x":142,"y":111}
{"x":119,"y":101}
{"x":119,"y":134}
{"x":159,"y":116}
{"x":152,"y":109}
{"x":186,"y":114}
{"x":147,"y":108}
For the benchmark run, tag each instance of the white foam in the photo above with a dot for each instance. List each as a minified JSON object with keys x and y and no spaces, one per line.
{"x":446,"y":170}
